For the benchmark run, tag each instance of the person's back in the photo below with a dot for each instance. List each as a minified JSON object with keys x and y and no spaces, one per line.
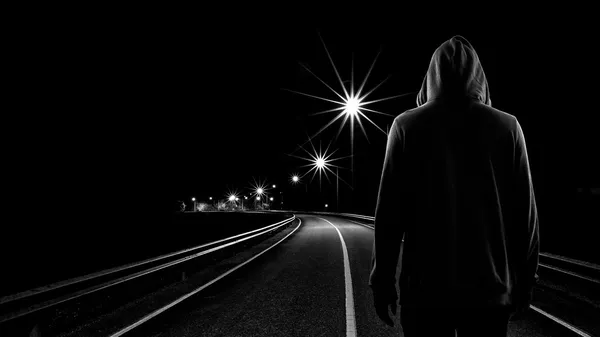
{"x":456,"y":183}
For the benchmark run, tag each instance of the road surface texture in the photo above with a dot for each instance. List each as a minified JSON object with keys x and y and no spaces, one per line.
{"x":300,"y":288}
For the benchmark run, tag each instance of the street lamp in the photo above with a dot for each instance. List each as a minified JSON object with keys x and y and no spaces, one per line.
{"x":194,"y":201}
{"x":245,"y":198}
{"x":274,"y":186}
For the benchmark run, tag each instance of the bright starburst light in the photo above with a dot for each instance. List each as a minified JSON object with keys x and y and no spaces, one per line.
{"x":351,"y":104}
{"x":295,"y":179}
{"x":259,"y":189}
{"x":232,"y":196}
{"x":320,"y":162}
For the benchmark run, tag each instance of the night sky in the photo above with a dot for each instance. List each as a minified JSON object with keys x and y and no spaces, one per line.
{"x":127,"y":116}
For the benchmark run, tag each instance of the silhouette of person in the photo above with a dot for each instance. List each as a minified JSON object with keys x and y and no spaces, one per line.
{"x":456,"y":186}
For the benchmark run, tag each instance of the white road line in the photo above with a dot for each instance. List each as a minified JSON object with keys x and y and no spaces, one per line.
{"x":350,"y":317}
{"x":556,"y":319}
{"x":177,"y":301}
{"x":561,"y":322}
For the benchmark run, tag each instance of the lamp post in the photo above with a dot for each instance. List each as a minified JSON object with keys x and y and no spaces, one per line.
{"x":194,"y":203}
{"x":281,"y":200}
{"x":337,"y":189}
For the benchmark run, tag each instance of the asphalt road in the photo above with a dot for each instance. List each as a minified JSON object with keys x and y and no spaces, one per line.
{"x":299,"y":288}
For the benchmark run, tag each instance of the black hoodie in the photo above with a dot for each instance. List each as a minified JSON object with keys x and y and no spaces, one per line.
{"x":456,"y":185}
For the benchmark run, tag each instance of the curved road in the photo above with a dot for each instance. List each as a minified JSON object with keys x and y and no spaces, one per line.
{"x":299,"y":288}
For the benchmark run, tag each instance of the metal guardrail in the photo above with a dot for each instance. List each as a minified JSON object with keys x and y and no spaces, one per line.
{"x":24,"y":303}
{"x":159,"y":311}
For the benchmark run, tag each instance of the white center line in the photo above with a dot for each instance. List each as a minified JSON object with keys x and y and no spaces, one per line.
{"x":350,"y":317}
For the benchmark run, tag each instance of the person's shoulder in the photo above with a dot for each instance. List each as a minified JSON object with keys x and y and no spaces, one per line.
{"x":409,"y":115}
{"x":501,"y":117}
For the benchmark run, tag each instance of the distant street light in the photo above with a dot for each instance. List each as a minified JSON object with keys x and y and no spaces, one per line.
{"x":271,"y":198}
{"x":320,"y":162}
{"x":194,"y":201}
{"x":326,"y":205}
{"x":274,"y":186}
{"x":258,"y":198}
{"x":232,"y":196}
{"x":295,"y":179}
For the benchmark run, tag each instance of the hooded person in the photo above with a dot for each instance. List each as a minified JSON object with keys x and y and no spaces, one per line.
{"x":456,"y":195}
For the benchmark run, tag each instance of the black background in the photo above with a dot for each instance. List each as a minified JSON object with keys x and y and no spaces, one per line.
{"x":112,"y":116}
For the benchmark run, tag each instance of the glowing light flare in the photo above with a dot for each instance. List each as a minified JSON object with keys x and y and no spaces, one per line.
{"x":351,"y":104}
{"x":259,"y":189}
{"x":232,"y":196}
{"x":320,"y":162}
{"x":295,"y":179}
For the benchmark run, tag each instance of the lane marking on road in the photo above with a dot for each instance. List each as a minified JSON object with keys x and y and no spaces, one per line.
{"x":177,"y":301}
{"x":350,"y":317}
{"x":561,"y":322}
{"x":538,"y":310}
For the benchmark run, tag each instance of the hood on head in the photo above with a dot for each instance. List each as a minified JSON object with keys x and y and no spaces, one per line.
{"x":455,"y":72}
